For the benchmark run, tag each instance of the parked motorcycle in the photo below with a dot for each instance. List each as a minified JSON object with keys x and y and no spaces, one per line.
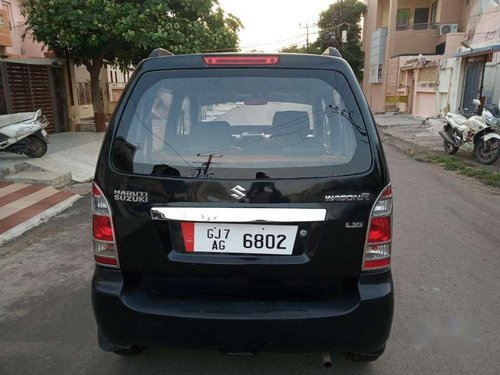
{"x":473,"y":134}
{"x":24,"y":133}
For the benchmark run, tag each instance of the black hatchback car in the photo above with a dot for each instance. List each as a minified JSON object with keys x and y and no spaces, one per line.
{"x":243,"y":203}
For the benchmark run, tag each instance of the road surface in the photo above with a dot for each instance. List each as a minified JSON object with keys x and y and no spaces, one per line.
{"x":446,"y":261}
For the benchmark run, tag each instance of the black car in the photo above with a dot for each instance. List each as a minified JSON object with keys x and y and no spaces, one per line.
{"x":242,"y":202}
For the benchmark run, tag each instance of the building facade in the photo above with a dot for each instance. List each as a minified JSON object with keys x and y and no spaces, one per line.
{"x":473,"y":70}
{"x":70,"y":96}
{"x":12,"y":29}
{"x":414,"y":57}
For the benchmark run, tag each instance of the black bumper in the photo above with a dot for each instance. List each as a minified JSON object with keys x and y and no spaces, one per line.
{"x":358,"y":323}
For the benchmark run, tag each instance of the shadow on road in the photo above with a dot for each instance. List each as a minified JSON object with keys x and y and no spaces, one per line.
{"x":212,"y":362}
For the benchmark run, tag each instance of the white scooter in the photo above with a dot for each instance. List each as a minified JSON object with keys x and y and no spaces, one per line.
{"x":474,"y":134}
{"x":24,"y":133}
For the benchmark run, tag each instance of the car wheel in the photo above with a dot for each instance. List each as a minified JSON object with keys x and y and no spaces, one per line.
{"x":366,"y":357}
{"x":362,"y":357}
{"x":133,"y":350}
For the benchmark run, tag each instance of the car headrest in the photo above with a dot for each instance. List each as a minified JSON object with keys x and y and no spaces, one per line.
{"x":286,"y":122}
{"x":286,"y":117}
{"x":212,"y":131}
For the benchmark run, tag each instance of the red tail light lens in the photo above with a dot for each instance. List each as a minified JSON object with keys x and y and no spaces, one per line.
{"x":102,"y":260}
{"x":105,"y":253}
{"x":387,"y":192}
{"x":377,"y":264}
{"x":380,"y":230}
{"x":103,"y":231}
{"x":378,"y":242}
{"x":241,"y":60}
{"x":95,"y":191}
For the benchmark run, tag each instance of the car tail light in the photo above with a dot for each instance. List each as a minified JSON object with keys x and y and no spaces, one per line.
{"x":105,"y":253}
{"x":241,"y":60}
{"x":379,"y":237}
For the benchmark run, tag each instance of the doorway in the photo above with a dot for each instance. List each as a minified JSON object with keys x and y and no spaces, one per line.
{"x":474,"y":71}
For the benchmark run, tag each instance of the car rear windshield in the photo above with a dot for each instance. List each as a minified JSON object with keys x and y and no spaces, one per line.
{"x":241,"y":123}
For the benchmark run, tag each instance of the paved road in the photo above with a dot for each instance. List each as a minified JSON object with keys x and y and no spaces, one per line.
{"x":446,"y":262}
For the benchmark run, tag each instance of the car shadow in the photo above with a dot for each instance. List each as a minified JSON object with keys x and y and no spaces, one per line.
{"x":182,"y":361}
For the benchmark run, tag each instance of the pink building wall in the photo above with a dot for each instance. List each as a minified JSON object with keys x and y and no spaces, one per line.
{"x":483,"y":26}
{"x":425,"y":104}
{"x":20,"y":47}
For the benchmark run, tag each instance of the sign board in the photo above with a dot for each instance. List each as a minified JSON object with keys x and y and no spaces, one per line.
{"x":344,"y":36}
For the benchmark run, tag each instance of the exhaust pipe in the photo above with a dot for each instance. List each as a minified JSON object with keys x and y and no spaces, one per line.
{"x":448,"y":139}
{"x":327,"y":360}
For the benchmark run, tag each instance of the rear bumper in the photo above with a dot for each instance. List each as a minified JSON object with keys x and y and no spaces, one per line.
{"x":358,"y":324}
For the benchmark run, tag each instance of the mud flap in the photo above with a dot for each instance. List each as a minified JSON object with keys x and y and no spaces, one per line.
{"x":107,"y":346}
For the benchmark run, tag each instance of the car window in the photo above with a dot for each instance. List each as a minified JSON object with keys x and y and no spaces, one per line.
{"x":236,"y":123}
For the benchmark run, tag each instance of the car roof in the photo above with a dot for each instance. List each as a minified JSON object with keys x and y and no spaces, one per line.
{"x":286,"y":61}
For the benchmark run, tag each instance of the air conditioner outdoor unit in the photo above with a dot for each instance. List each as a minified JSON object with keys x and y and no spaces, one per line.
{"x":448,"y":28}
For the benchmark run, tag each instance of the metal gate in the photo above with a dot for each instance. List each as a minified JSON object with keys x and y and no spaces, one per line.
{"x":473,"y":85}
{"x":28,"y":87}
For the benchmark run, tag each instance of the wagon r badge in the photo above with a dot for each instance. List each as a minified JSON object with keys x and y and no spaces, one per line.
{"x":238,"y":192}
{"x":354,"y":225}
{"x":348,"y":197}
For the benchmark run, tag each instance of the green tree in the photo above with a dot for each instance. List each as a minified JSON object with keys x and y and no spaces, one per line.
{"x":123,"y":32}
{"x":343,"y":15}
{"x":294,"y":48}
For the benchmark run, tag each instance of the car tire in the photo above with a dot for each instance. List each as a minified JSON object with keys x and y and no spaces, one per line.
{"x":366,"y":357}
{"x":131,"y":351}
{"x":362,"y":357}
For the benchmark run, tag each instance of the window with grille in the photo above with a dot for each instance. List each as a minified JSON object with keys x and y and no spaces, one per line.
{"x":83,"y":93}
{"x":402,"y":19}
{"x":376,"y":72}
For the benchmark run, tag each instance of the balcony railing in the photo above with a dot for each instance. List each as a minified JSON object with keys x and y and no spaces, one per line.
{"x":418,"y":26}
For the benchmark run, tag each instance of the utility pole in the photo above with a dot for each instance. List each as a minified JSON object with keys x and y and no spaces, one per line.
{"x":307,"y":26}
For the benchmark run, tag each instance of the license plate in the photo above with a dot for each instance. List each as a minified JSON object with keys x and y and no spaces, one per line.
{"x":239,"y":238}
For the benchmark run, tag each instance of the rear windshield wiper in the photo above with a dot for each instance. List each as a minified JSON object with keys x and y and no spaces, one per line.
{"x":348,"y":116}
{"x":205,"y":166}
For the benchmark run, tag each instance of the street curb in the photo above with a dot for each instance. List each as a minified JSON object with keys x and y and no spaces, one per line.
{"x":37,"y":220}
{"x":413,"y":149}
{"x":409,"y":148}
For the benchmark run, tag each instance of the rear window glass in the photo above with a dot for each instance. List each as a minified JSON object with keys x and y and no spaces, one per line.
{"x":241,"y":123}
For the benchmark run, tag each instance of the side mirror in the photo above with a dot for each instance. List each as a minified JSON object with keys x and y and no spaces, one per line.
{"x":476,"y":102}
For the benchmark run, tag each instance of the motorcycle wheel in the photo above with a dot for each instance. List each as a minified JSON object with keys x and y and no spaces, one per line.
{"x":487,"y":152}
{"x":36,"y":148}
{"x":448,"y":147}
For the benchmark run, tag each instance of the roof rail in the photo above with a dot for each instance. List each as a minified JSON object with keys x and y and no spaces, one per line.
{"x":158,"y":52}
{"x":332,"y":51}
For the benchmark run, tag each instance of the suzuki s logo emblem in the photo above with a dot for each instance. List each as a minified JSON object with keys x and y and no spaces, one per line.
{"x":238,"y":192}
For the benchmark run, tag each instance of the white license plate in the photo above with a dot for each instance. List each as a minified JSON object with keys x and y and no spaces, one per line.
{"x":239,"y":238}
